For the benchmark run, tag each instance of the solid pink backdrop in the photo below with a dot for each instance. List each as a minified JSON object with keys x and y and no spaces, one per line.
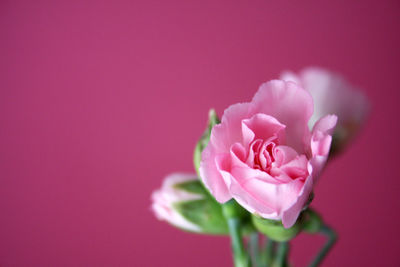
{"x":100,"y":100}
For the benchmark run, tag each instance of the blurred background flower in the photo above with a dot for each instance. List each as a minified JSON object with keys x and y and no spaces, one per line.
{"x":168,"y":195}
{"x":332,"y":94}
{"x":183,"y":202}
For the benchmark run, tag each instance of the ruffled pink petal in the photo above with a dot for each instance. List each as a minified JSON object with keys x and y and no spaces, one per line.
{"x":320,"y":143}
{"x":267,"y":196}
{"x":291,"y":213}
{"x":262,"y":126}
{"x":211,"y":177}
{"x":296,"y":168}
{"x":284,"y":154}
{"x":258,"y":192}
{"x":263,"y":197}
{"x":291,"y":105}
{"x":239,"y":155}
{"x":317,"y":163}
{"x":290,"y":76}
{"x":243,"y":173}
{"x":252,"y":202}
{"x":229,"y":131}
{"x":326,"y":124}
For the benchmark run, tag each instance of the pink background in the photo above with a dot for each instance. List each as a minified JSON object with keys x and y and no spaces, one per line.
{"x":100,"y":100}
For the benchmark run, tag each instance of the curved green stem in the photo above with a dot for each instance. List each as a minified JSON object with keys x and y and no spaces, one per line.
{"x":330,"y":233}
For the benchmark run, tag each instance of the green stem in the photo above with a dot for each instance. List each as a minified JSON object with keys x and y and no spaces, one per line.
{"x":269,"y":251}
{"x":282,"y":254}
{"x":254,"y":249}
{"x":233,"y":215}
{"x":330,"y":233}
{"x":240,"y":256}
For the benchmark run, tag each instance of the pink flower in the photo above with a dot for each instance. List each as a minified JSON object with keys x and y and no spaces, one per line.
{"x":263,"y":154}
{"x":333,"y":94}
{"x":165,"y":198}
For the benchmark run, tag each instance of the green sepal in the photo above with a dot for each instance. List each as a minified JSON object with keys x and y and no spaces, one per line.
{"x":275,"y":229}
{"x":232,"y":209}
{"x":312,"y":222}
{"x":205,"y":138}
{"x":206,"y":213}
{"x":192,"y":186}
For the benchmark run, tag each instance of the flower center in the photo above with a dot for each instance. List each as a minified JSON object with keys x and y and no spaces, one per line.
{"x":262,"y":154}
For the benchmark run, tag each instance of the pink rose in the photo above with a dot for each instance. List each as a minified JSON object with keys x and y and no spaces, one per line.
{"x":165,"y":198}
{"x":333,"y":94}
{"x":263,"y":154}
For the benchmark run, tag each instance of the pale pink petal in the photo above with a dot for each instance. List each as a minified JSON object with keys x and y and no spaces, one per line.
{"x":326,"y":124}
{"x":211,"y":177}
{"x":240,"y":170}
{"x":251,"y":152}
{"x":291,"y":213}
{"x":239,"y":152}
{"x":284,"y":154}
{"x":266,"y":199}
{"x":244,"y":173}
{"x":291,"y":105}
{"x":320,"y":143}
{"x":280,"y":176}
{"x":229,"y":131}
{"x":290,"y":76}
{"x":251,"y":203}
{"x":262,"y":126}
{"x":317,"y":163}
{"x":296,"y":168}
{"x":224,"y":166}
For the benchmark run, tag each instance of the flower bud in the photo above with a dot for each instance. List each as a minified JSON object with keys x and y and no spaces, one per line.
{"x":183,"y":202}
{"x":205,"y":138}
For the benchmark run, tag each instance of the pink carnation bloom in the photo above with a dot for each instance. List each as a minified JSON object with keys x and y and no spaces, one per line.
{"x":164,"y":199}
{"x":263,"y":154}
